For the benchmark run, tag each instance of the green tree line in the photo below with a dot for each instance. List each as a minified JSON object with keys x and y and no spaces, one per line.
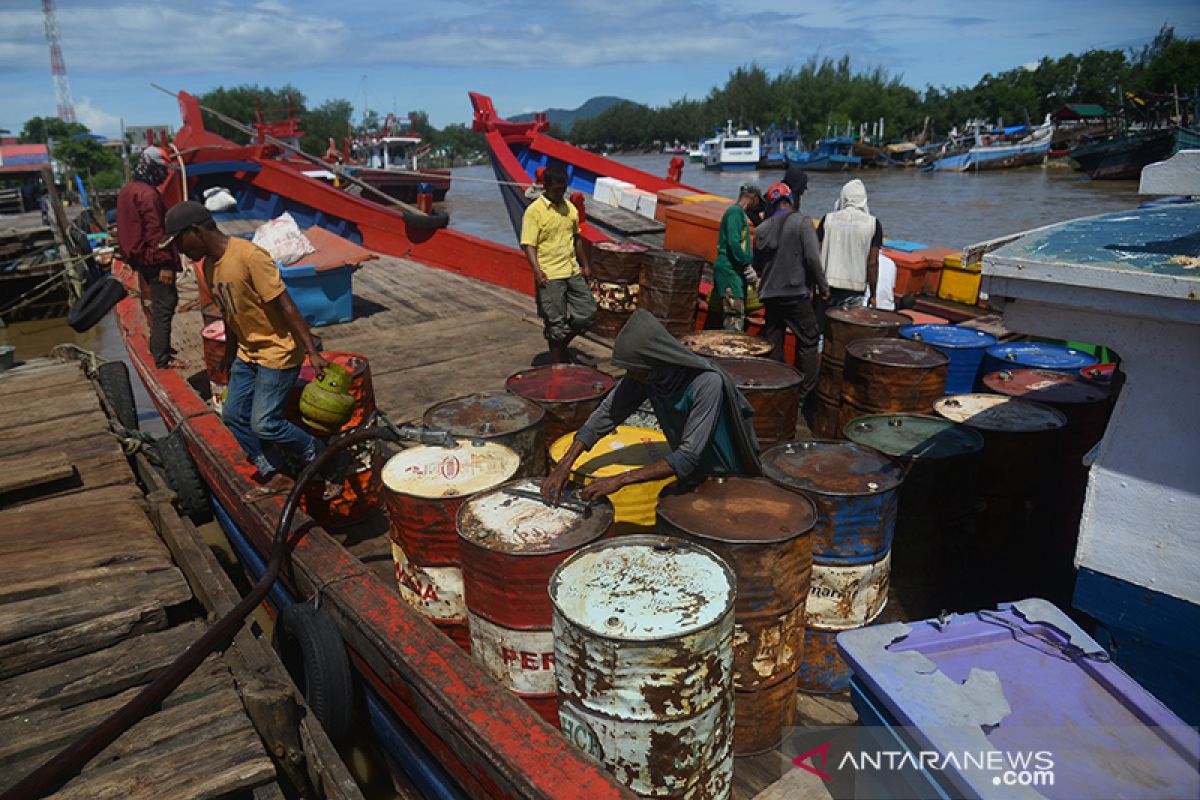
{"x":825,"y":92}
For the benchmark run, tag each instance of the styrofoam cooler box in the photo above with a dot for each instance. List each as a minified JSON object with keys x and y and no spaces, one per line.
{"x":608,"y":190}
{"x":631,"y":198}
{"x":647,"y":205}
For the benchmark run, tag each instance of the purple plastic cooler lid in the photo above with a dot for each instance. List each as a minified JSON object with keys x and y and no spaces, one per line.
{"x":1025,"y":679}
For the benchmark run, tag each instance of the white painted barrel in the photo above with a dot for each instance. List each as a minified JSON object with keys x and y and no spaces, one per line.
{"x":643,"y":649}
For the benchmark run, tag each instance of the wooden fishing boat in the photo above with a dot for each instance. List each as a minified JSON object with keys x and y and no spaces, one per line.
{"x":519,"y":149}
{"x":1122,"y":157}
{"x":439,"y":315}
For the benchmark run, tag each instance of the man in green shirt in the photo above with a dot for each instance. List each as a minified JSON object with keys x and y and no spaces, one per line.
{"x":732,"y":270}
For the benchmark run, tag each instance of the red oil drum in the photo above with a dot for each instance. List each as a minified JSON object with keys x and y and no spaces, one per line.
{"x":424,"y":488}
{"x":773,"y":389}
{"x":361,"y":490}
{"x":497,"y":416}
{"x":843,"y":326}
{"x":569,"y":393}
{"x":762,"y":532}
{"x":510,"y":546}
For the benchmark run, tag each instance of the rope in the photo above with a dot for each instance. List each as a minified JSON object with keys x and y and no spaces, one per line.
{"x":29,"y":298}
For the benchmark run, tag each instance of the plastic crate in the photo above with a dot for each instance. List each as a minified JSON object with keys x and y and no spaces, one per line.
{"x":960,"y":285}
{"x":324,"y":297}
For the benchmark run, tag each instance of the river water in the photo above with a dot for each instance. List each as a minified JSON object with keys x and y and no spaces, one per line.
{"x":944,"y":209}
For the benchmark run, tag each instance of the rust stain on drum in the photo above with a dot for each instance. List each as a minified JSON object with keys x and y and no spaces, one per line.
{"x":886,"y":375}
{"x":773,"y":389}
{"x":842,"y":327}
{"x":725,"y":343}
{"x":619,"y":263}
{"x":670,"y":288}
{"x":762,"y":532}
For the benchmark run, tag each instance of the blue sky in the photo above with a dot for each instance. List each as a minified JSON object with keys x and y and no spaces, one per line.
{"x":527,"y":55}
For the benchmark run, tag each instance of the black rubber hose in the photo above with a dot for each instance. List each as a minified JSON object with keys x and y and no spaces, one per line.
{"x":54,"y":773}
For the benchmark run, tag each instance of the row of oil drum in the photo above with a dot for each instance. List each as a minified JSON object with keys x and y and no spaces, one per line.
{"x":627,"y":276}
{"x":877,"y":361}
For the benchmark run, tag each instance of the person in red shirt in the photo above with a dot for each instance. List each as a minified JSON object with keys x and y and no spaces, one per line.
{"x":140,"y":215}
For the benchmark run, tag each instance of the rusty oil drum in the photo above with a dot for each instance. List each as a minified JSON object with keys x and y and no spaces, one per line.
{"x":496,"y":416}
{"x":937,"y":501}
{"x":643,"y":650}
{"x":762,"y":532}
{"x":773,"y":389}
{"x":510,"y":547}
{"x":843,"y":326}
{"x":726,"y":343}
{"x":615,"y":303}
{"x":1014,"y":530}
{"x":856,"y":492}
{"x":424,"y":488}
{"x":568,"y":393}
{"x":889,"y":375}
{"x":618,"y":262}
{"x":670,"y":288}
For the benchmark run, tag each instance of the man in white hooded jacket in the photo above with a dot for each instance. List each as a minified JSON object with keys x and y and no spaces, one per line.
{"x":850,"y":242}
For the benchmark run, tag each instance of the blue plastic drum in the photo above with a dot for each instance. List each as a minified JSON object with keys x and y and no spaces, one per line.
{"x":1036,"y":355}
{"x":965,"y":347}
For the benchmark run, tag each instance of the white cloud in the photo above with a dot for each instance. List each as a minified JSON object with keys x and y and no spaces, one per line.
{"x":98,"y":120}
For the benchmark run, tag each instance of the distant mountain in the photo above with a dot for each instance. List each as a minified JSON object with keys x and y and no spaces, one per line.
{"x":565,"y":117}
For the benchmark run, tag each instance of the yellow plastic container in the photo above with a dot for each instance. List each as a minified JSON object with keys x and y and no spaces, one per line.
{"x":960,"y":285}
{"x":954,"y":260}
{"x":625,"y":449}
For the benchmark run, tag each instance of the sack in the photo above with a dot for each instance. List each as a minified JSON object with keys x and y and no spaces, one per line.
{"x":218,"y":198}
{"x":281,"y":237}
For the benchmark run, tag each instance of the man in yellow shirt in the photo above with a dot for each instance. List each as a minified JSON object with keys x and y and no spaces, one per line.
{"x":266,"y":338}
{"x":551,"y":241}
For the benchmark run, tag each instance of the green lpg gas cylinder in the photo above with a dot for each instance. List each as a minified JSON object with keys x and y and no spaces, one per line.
{"x":326,"y":403}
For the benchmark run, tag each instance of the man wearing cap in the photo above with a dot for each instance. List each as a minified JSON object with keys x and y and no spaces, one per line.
{"x":732,"y":271}
{"x":140,"y":213}
{"x":266,"y":338}
{"x":788,"y":259}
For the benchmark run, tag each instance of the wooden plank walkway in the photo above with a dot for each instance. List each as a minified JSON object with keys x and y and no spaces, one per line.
{"x":92,"y":607}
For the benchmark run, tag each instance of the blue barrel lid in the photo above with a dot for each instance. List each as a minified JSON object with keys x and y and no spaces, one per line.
{"x":950,"y":336}
{"x":1041,"y":355}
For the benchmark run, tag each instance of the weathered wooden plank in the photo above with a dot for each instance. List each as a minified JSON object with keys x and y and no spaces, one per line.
{"x":100,"y":674}
{"x":38,"y":377}
{"x":35,"y":736}
{"x":31,"y":470}
{"x":53,"y":403}
{"x":38,"y":570}
{"x":250,"y":657}
{"x":139,"y":592}
{"x":74,"y":521}
{"x":52,"y":433}
{"x":113,"y":493}
{"x":63,"y":644}
{"x":200,"y":768}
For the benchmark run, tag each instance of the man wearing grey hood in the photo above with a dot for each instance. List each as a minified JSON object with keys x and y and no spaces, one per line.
{"x":705,"y":418}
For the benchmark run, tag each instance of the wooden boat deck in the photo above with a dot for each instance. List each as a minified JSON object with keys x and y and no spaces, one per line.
{"x":92,"y":607}
{"x":431,"y":335}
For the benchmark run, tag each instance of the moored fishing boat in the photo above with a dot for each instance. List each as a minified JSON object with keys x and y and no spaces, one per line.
{"x":1122,"y":157}
{"x":996,"y":152}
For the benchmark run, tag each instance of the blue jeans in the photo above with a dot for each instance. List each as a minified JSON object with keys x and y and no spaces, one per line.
{"x":254,"y":413}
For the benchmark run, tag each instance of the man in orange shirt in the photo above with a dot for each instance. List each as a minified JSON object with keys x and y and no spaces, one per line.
{"x":266,"y":338}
